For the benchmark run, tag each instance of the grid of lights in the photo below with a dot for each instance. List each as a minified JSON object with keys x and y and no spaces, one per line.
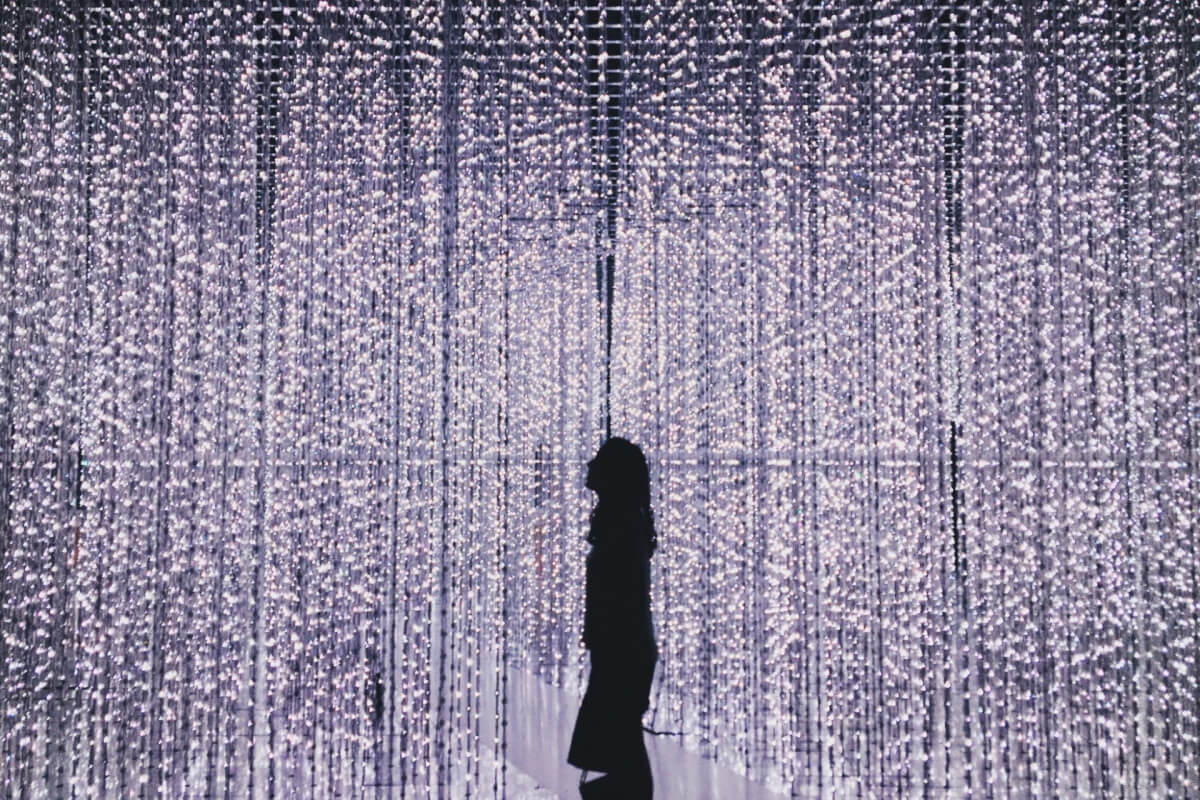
{"x":307,"y":342}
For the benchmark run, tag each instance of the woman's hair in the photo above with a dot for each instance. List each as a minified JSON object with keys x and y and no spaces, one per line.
{"x":623,"y":472}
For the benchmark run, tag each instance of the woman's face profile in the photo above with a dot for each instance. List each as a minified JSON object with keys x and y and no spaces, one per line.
{"x":590,"y":481}
{"x":594,"y":474}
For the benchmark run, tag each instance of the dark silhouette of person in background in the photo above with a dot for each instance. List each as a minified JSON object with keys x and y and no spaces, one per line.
{"x":617,"y":628}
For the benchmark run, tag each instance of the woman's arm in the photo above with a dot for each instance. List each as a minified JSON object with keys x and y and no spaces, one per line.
{"x":617,"y":597}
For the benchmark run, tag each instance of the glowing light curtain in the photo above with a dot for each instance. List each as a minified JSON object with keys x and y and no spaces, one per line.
{"x":304,"y":347}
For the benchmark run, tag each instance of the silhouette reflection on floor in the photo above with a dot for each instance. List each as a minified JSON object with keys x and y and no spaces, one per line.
{"x":539,"y":722}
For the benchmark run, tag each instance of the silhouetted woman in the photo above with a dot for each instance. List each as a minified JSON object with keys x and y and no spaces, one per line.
{"x":617,"y":629}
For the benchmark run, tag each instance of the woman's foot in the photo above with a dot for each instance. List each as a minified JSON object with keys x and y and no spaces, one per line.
{"x":600,"y":788}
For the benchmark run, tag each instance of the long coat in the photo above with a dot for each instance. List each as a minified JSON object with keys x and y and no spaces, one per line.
{"x":619,"y":634}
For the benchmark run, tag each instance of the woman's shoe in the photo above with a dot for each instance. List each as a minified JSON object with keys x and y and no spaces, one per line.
{"x":602,"y":788}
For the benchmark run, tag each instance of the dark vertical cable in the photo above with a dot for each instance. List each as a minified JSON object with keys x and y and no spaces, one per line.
{"x":871,"y":102}
{"x":451,"y":35}
{"x":707,"y":646}
{"x":505,"y":476}
{"x":70,"y":653}
{"x":605,"y":34}
{"x":951,"y":37}
{"x":1120,"y":23}
{"x":812,"y":31}
{"x":268,"y":44}
{"x":161,"y":411}
{"x":399,"y":79}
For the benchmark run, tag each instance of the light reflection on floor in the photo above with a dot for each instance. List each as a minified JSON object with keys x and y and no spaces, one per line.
{"x":540,"y":719}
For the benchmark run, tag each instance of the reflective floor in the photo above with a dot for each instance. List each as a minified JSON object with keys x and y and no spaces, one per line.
{"x":539,"y":730}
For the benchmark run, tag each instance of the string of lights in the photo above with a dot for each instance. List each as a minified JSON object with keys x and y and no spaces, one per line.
{"x":311,"y":315}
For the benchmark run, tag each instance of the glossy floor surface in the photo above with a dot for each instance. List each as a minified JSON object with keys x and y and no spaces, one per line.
{"x":540,"y":720}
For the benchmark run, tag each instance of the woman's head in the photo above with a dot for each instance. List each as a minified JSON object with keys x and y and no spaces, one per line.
{"x":621,"y":480}
{"x":619,"y":475}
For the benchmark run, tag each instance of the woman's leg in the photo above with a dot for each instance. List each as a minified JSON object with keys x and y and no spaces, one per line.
{"x":641,"y":781}
{"x":634,"y":776}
